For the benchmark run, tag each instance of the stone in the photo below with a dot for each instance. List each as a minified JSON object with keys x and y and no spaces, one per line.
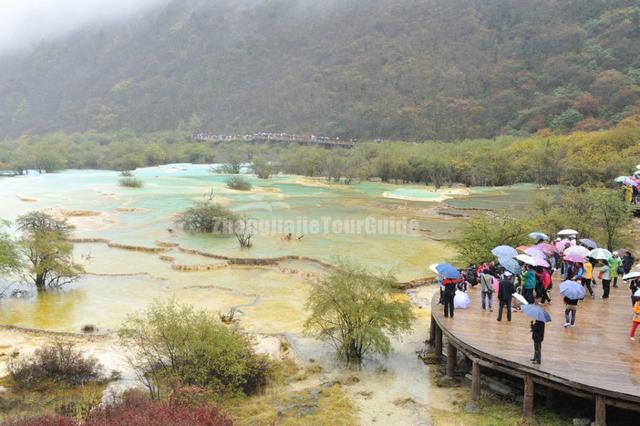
{"x":471,"y":408}
{"x":581,"y":422}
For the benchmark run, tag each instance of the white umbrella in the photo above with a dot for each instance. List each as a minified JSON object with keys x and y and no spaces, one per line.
{"x":520,"y":298}
{"x":638,"y":166}
{"x":529,"y":260}
{"x":637,"y":293}
{"x":433,"y":269}
{"x":600,"y":254}
{"x":631,"y":275}
{"x":568,"y":232}
{"x":577,"y":250}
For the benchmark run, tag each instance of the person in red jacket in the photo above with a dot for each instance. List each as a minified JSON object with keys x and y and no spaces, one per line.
{"x":545,"y":280}
{"x":448,"y":295}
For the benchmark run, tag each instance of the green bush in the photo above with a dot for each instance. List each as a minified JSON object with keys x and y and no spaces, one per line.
{"x":131,"y":182}
{"x":58,"y":363}
{"x":208,"y":217}
{"x":239,"y":183}
{"x":356,"y":312}
{"x":174,"y":343}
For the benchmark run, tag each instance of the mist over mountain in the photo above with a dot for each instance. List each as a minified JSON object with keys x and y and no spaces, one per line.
{"x":402,"y":69}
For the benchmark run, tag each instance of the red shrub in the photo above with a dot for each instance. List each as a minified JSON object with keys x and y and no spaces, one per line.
{"x":137,"y":411}
{"x":43,"y":421}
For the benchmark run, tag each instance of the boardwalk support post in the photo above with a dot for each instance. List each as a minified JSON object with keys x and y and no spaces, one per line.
{"x":528,"y":396}
{"x":601,"y":411}
{"x":432,"y":330}
{"x":452,"y":357}
{"x":438,"y":343}
{"x":475,"y":380}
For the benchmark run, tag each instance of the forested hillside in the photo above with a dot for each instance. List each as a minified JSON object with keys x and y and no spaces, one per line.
{"x":402,"y":69}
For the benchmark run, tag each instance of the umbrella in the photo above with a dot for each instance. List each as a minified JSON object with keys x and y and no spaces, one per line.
{"x":448,"y":271}
{"x":600,"y":254}
{"x":622,"y":250}
{"x":538,"y":236}
{"x":541,"y":262}
{"x":536,"y":312}
{"x":562,"y":244}
{"x":504,"y":251}
{"x":520,"y":298}
{"x":546,"y":248}
{"x":574,"y":258}
{"x":434,"y":268}
{"x":461,"y":300}
{"x":568,"y":232}
{"x":522,"y":248}
{"x":510,"y":265}
{"x":525,"y":258}
{"x":631,"y":276}
{"x":572,"y":290}
{"x":621,"y":179}
{"x":578,"y":251}
{"x":534,"y":252}
{"x":588,"y":243}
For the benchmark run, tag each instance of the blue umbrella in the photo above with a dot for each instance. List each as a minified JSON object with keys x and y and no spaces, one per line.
{"x":538,"y":236}
{"x":536,"y":312}
{"x":572,"y":290}
{"x":510,"y":265}
{"x":448,"y":271}
{"x":504,"y":251}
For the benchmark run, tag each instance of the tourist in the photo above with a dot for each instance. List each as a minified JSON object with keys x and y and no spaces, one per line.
{"x":486,"y":285}
{"x":587,"y":276}
{"x":449,"y":295}
{"x":614,"y":268}
{"x":636,"y":320}
{"x":627,"y":262}
{"x":547,"y":284}
{"x":570,"y":308}
{"x":505,"y":294}
{"x":529,"y":284}
{"x":633,"y":286}
{"x":471,"y":275}
{"x":537,"y":334}
{"x":605,"y":276}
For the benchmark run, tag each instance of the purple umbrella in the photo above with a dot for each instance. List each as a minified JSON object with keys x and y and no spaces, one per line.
{"x":534,"y":252}
{"x":589,"y":243}
{"x":574,"y":258}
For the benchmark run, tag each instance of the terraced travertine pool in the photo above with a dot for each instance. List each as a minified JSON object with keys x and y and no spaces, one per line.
{"x":112,"y":220}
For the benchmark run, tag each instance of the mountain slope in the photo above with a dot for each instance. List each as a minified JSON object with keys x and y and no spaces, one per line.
{"x":409,"y":69}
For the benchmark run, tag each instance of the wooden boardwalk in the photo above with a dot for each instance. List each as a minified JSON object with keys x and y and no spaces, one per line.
{"x":595,"y":359}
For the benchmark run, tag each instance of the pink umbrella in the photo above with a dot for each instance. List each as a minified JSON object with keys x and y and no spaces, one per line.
{"x":546,"y":248}
{"x":574,"y":258}
{"x":534,"y":252}
{"x":495,"y":284}
{"x":562,"y":244}
{"x":522,"y":248}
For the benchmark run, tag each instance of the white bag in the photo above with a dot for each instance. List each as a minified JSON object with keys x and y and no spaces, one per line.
{"x":461,"y":300}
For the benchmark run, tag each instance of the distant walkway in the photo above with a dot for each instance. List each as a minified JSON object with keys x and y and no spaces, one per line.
{"x":274,"y":137}
{"x":594,"y":360}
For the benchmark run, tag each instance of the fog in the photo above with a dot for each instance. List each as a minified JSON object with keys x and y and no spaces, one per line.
{"x":24,"y":23}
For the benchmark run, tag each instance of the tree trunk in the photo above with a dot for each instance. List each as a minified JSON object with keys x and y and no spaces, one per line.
{"x":40,"y":282}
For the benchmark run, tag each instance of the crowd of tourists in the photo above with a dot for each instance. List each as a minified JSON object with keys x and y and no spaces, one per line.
{"x":521,"y":279}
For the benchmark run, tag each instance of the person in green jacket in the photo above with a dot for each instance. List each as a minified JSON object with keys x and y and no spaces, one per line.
{"x":614,"y":264}
{"x":529,"y":284}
